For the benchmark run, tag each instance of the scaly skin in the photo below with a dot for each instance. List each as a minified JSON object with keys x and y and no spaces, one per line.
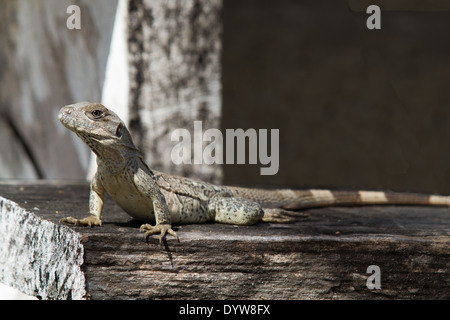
{"x":149,"y":195}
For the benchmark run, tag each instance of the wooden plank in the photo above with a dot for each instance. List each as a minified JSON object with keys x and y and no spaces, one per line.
{"x":322,"y":256}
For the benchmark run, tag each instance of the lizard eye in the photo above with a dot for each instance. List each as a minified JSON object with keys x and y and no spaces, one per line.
{"x":119,"y":130}
{"x":97,"y":114}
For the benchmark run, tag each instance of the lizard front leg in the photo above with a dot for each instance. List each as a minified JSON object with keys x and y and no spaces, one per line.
{"x":147,"y":186}
{"x":96,"y":197}
{"x":162,"y":225}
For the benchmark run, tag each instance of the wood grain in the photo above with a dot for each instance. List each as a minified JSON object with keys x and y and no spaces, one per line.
{"x":322,"y":256}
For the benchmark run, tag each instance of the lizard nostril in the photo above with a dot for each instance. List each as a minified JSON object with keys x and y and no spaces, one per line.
{"x":64,"y":112}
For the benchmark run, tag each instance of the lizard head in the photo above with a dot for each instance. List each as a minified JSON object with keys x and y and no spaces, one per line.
{"x":99,"y":127}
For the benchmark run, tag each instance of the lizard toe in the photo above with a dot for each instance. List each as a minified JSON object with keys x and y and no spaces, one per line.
{"x":162,"y":229}
{"x":89,"y":221}
{"x":277,"y":215}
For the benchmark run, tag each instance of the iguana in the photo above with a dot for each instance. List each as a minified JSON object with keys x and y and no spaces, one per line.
{"x":149,"y":195}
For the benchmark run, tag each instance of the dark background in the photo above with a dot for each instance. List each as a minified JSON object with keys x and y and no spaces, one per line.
{"x":356,"y":108}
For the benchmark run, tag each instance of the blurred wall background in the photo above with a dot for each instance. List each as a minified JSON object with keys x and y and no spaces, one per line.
{"x":43,"y":66}
{"x":356,"y":108}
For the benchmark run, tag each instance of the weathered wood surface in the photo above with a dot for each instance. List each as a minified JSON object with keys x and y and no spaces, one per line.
{"x":322,"y":256}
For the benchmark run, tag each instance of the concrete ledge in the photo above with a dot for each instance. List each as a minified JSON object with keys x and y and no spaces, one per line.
{"x":38,"y":257}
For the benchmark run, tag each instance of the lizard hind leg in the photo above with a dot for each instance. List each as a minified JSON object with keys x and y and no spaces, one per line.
{"x":232,"y":210}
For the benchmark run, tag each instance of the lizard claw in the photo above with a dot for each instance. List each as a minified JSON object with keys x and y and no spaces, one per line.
{"x":89,"y":221}
{"x":163,"y":229}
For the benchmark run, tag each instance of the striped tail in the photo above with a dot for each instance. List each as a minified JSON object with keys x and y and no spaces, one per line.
{"x":300,"y":199}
